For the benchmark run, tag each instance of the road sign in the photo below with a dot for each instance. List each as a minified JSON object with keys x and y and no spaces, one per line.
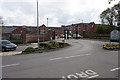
{"x":114,"y":35}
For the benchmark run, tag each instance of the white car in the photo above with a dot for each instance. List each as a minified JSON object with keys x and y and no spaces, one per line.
{"x":69,"y":36}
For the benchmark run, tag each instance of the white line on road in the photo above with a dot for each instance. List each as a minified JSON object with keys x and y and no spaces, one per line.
{"x":10,"y":65}
{"x":93,"y":76}
{"x":69,"y":57}
{"x":115,"y":69}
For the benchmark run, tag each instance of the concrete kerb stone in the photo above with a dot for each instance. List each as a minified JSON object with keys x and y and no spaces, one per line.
{"x":10,"y":53}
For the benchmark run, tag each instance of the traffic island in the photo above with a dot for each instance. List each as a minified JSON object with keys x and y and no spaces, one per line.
{"x":115,"y":38}
{"x":46,"y":47}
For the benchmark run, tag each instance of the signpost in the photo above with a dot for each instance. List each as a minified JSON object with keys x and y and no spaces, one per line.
{"x":114,"y":36}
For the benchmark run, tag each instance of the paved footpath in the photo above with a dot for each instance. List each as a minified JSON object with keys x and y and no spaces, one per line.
{"x":22,"y":47}
{"x":19,"y":49}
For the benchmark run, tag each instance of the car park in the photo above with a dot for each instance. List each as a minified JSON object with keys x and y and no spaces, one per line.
{"x":7,"y":45}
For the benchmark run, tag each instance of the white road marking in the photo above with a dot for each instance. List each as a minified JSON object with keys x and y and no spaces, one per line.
{"x":10,"y":65}
{"x":88,"y":74}
{"x":115,"y":69}
{"x":93,"y":76}
{"x":69,"y":57}
{"x":72,"y":75}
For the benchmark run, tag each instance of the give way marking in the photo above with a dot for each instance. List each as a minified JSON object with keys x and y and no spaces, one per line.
{"x":69,"y":57}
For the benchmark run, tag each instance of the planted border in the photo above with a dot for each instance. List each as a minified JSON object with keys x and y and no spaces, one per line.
{"x":111,"y":46}
{"x":50,"y":46}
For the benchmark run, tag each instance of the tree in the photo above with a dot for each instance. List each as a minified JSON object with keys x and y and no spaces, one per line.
{"x":109,"y":1}
{"x":110,"y":15}
{"x":117,"y":10}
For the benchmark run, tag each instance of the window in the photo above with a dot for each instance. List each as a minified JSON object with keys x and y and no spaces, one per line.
{"x":42,"y":32}
{"x":17,"y":36}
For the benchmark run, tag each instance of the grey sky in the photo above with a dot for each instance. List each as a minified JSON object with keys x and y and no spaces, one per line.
{"x":58,"y":12}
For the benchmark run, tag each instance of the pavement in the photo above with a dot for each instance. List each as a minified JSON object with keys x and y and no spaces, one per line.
{"x":20,"y":48}
{"x":84,"y":59}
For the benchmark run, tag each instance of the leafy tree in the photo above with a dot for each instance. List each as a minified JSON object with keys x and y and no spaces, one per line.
{"x":107,"y":17}
{"x":116,"y":8}
{"x":109,"y":1}
{"x":110,"y":15}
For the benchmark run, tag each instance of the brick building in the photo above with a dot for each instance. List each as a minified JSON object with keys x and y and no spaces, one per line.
{"x":84,"y":29}
{"x":29,"y":33}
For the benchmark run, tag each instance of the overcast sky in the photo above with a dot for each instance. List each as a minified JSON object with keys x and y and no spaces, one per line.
{"x":58,"y":12}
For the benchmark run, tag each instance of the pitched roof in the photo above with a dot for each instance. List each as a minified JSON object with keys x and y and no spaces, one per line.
{"x":9,"y":29}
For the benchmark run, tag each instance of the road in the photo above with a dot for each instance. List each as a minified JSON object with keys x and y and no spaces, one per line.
{"x":85,"y":58}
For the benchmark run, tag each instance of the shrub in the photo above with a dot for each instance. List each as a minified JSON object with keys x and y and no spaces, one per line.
{"x":53,"y":44}
{"x":66,"y":44}
{"x":29,"y":49}
{"x":17,"y":41}
{"x":45,"y":46}
{"x":41,"y":48}
{"x":61,"y":44}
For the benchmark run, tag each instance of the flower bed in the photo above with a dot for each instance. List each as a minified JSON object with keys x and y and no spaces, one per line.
{"x":45,"y":47}
{"x":111,"y":46}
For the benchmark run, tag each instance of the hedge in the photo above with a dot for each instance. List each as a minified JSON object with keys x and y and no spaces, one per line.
{"x":17,"y":41}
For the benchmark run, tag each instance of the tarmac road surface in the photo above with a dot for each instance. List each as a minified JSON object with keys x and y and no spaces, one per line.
{"x":84,"y":59}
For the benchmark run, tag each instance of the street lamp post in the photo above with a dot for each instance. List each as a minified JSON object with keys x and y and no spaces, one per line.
{"x":22,"y":36}
{"x":47,"y":22}
{"x":47,"y":28}
{"x":76,"y":31}
{"x":37,"y":25}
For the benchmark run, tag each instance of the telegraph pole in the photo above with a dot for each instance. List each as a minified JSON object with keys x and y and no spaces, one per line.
{"x":37,"y":25}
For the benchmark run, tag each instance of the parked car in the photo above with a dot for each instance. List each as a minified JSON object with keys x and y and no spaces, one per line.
{"x":69,"y":36}
{"x":7,"y":45}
